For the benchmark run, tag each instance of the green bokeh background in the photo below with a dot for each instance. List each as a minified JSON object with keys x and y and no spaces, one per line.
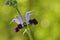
{"x":47,"y":12}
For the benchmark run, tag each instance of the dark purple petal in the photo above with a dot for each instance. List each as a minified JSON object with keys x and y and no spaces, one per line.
{"x":16,"y":29}
{"x":30,"y":22}
{"x":35,"y":21}
{"x":20,"y":26}
{"x":25,"y":24}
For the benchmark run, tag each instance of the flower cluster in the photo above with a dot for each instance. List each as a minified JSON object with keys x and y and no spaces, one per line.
{"x":11,"y":2}
{"x":20,"y":21}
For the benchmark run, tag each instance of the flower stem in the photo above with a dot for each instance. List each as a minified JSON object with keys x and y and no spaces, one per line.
{"x":30,"y":36}
{"x":18,"y":10}
{"x":29,"y":33}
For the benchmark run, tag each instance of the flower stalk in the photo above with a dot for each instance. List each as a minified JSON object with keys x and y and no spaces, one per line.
{"x":29,"y":33}
{"x":18,"y":10}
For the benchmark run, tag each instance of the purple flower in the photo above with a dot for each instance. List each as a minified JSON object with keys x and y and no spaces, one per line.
{"x":20,"y":21}
{"x":28,"y":14}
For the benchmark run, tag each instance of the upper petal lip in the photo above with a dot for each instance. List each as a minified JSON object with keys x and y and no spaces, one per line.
{"x":28,"y":14}
{"x":21,"y":19}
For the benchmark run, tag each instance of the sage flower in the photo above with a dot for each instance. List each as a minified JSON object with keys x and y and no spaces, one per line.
{"x":20,"y":21}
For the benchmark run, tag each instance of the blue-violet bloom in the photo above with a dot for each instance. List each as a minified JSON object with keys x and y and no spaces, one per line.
{"x":20,"y":21}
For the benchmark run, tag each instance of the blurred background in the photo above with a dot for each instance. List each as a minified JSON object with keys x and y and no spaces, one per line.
{"x":47,"y":12}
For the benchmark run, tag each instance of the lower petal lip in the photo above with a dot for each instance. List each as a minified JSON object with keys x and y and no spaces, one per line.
{"x":30,"y":22}
{"x":20,"y":26}
{"x":35,"y":21}
{"x":16,"y":29}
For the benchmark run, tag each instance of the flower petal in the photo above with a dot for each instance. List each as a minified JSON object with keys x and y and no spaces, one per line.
{"x":20,"y":19}
{"x":35,"y":22}
{"x":20,"y":26}
{"x":28,"y":14}
{"x":16,"y":29}
{"x":15,"y":20}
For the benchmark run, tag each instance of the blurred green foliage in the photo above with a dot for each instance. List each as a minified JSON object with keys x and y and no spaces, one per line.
{"x":47,"y":12}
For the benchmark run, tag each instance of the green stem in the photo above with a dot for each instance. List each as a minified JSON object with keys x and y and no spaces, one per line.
{"x":29,"y":33}
{"x":18,"y":10}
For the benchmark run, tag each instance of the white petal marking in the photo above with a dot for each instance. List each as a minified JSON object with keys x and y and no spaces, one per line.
{"x":15,"y":20}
